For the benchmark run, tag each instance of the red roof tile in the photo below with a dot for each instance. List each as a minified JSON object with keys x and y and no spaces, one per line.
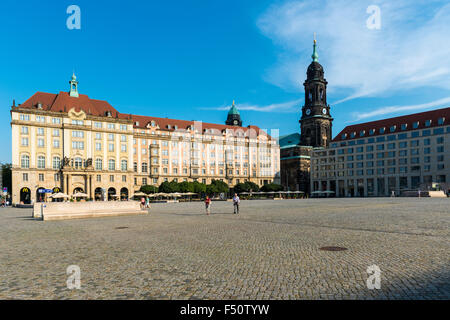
{"x":433,"y":115}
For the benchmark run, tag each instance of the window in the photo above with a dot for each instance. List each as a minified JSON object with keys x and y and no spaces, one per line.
{"x":24,"y":130}
{"x":98,"y":164}
{"x":56,"y":132}
{"x":56,"y":120}
{"x":111,"y":178}
{"x":123,"y":148}
{"x":56,"y":176}
{"x":55,"y":143}
{"x":24,"y":142}
{"x":404,"y":126}
{"x":41,"y":162}
{"x":440,"y":140}
{"x":382,"y":130}
{"x":123,"y":138}
{"x":25,"y":176}
{"x":78,"y":145}
{"x":440,"y":149}
{"x":111,"y":147}
{"x":111,"y":126}
{"x":40,"y":119}
{"x":124,"y":178}
{"x":99,"y":178}
{"x":427,"y":123}
{"x":25,"y":161}
{"x":98,"y":146}
{"x":415,"y":125}
{"x":111,"y":164}
{"x":78,"y":163}
{"x":123,"y":127}
{"x":40,"y":142}
{"x":24,"y":117}
{"x":124,"y":165}
{"x":56,"y":163}
{"x":144,"y":181}
{"x":98,"y":136}
{"x":41,"y":177}
{"x":441,"y":121}
{"x":144,"y":167}
{"x":392,"y":129}
{"x":111,"y":136}
{"x":77,"y":122}
{"x":98,"y":124}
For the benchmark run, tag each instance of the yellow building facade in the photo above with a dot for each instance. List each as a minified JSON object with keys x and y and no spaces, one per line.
{"x":70,"y":143}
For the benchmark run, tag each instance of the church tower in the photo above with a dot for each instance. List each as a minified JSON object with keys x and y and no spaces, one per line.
{"x":73,"y":86}
{"x":316,"y":120}
{"x":234,"y":117}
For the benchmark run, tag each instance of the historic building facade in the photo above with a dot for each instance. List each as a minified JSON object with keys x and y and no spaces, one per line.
{"x":71,"y":143}
{"x":315,"y":128}
{"x":391,"y":155}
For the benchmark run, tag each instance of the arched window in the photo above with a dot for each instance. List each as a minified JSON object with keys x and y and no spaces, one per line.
{"x":25,"y":161}
{"x":98,"y":164}
{"x":56,"y":163}
{"x":78,"y":163}
{"x":124,"y":165}
{"x":144,"y":166}
{"x":111,"y":164}
{"x":41,"y":162}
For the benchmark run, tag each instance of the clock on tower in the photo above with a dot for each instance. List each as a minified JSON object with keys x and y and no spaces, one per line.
{"x":316,"y":121}
{"x":234,"y":117}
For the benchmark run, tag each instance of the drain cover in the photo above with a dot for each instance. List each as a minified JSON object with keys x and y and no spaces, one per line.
{"x":333,"y":249}
{"x":121,"y":227}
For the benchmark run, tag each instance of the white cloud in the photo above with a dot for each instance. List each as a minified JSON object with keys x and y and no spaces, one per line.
{"x":411,"y":50}
{"x":286,"y":107}
{"x":398,"y":109}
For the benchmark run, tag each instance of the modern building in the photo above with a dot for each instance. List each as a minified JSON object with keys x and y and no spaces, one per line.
{"x":391,"y":155}
{"x":315,"y":127}
{"x":71,"y":143}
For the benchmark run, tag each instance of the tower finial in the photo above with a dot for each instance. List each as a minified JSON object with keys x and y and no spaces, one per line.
{"x":73,"y":86}
{"x":315,"y":56}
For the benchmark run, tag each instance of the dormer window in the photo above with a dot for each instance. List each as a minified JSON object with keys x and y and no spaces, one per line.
{"x":136,"y":123}
{"x":362,"y":133}
{"x":344,"y":136}
{"x":152,"y":123}
{"x":427,"y":123}
{"x":108,"y":113}
{"x":175,"y":127}
{"x":352,"y":135}
{"x":371,"y":132}
{"x":416,"y":125}
{"x":404,"y":126}
{"x":392,"y":129}
{"x":168,"y":126}
{"x":441,"y":121}
{"x":39,"y":106}
{"x":382,"y":130}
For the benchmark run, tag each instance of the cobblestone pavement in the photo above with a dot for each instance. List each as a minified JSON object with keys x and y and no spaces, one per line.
{"x":269,"y":251}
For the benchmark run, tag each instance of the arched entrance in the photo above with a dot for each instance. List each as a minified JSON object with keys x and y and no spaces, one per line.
{"x":76,"y":190}
{"x":111,"y":194}
{"x":25,"y":195}
{"x":40,"y":196}
{"x":124,"y":194}
{"x":98,"y":194}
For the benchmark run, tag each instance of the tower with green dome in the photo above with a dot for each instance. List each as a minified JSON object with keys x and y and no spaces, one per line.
{"x":234,"y":117}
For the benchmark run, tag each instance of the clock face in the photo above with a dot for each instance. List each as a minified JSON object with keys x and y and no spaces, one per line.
{"x":324,"y":111}
{"x":235,"y":122}
{"x":308,"y":112}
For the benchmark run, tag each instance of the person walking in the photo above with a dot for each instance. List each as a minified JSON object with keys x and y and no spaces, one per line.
{"x":142,"y":203}
{"x":208,"y":205}
{"x":147,"y":203}
{"x":236,"y":202}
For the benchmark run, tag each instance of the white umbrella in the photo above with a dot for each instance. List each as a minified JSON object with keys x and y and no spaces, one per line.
{"x":59,"y":195}
{"x":80,"y":195}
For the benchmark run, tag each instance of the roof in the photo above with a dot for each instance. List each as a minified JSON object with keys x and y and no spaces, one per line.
{"x":290,"y":140}
{"x":233,"y":110}
{"x":63,"y":102}
{"x":396,"y":123}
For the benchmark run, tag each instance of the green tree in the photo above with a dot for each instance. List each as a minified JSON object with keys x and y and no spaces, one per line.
{"x":6,"y":176}
{"x":165,"y":187}
{"x":241,"y":187}
{"x":252,"y":186}
{"x":186,"y":187}
{"x":148,"y":189}
{"x":272,"y":187}
{"x":220,"y":186}
{"x":199,"y":187}
{"x":174,"y":186}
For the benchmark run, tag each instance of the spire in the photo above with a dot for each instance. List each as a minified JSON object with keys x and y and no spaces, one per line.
{"x":315,"y":56}
{"x":73,"y":86}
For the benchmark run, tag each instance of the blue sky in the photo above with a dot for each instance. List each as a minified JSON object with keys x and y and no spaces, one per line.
{"x":190,"y":59}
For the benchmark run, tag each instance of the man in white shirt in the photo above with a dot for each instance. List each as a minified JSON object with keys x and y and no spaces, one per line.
{"x":236,"y":202}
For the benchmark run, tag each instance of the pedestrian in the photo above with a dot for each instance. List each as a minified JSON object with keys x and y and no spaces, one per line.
{"x":142,"y":203}
{"x":147,"y":203}
{"x":208,"y":205}
{"x":236,"y":202}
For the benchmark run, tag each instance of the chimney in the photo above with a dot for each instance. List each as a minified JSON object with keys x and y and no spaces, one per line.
{"x":14,"y":102}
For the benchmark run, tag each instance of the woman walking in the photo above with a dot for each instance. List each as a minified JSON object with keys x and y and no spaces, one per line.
{"x":208,"y":205}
